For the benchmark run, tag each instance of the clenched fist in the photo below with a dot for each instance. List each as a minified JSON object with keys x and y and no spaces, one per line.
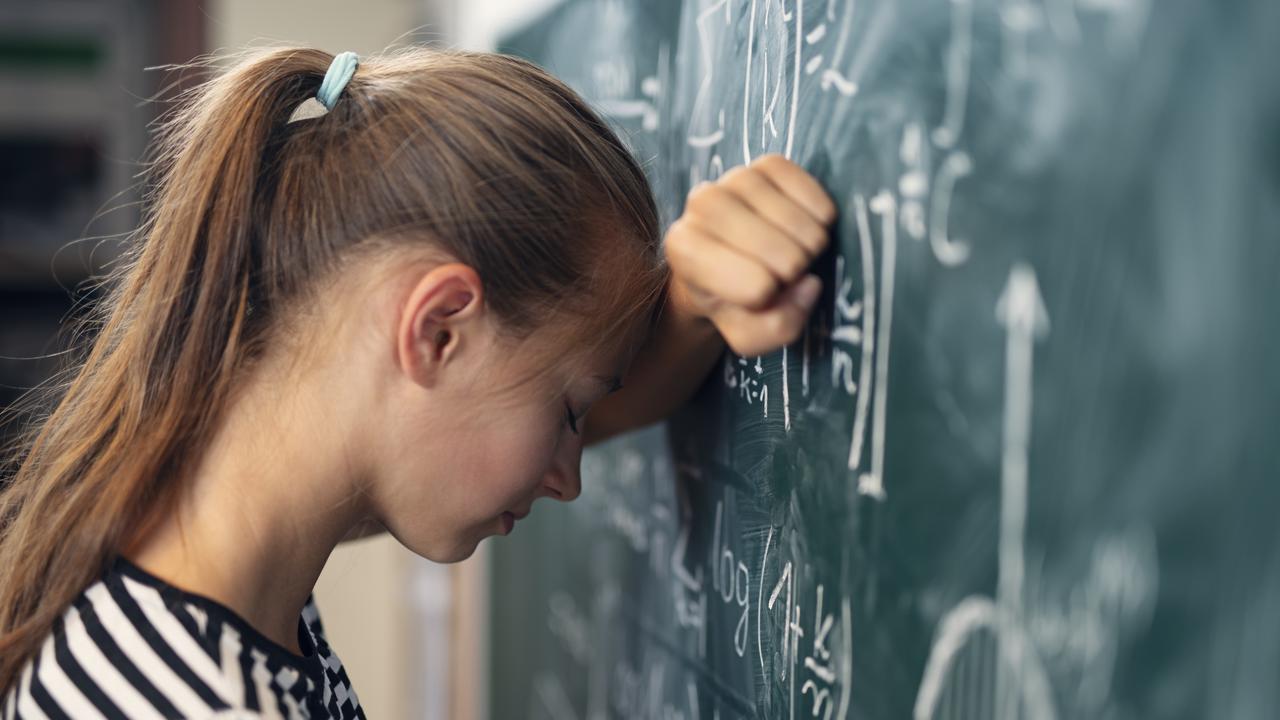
{"x":739,"y":253}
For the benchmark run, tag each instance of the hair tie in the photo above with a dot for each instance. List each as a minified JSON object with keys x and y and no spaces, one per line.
{"x":336,"y":78}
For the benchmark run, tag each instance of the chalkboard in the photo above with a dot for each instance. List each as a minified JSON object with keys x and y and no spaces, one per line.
{"x":1024,"y":462}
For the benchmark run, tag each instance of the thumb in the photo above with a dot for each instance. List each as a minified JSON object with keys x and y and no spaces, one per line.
{"x":804,"y":294}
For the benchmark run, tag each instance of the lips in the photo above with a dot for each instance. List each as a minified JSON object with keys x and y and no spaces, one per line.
{"x":508,"y":522}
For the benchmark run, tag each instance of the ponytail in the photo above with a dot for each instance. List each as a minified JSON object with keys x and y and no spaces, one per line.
{"x":174,"y":332}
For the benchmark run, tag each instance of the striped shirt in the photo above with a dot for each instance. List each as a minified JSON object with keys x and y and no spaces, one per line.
{"x":133,"y":646}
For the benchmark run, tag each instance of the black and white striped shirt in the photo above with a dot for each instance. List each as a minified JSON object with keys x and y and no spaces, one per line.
{"x":133,"y":646}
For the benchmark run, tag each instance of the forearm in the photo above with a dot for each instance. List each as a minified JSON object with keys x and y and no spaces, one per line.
{"x":669,"y":368}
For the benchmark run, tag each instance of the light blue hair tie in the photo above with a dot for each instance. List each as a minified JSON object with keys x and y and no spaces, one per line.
{"x":335,"y":80}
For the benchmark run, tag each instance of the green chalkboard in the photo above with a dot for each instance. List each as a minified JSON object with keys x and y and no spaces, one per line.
{"x":1025,"y":461}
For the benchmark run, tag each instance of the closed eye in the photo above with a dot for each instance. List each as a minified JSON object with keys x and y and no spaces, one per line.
{"x":573,"y":421}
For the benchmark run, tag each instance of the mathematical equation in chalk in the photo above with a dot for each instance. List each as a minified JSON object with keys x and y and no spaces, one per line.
{"x":785,"y":620}
{"x":785,"y":45}
{"x":750,"y":594}
{"x":746,"y":97}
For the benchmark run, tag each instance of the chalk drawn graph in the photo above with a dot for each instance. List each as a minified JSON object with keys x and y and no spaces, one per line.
{"x":983,"y":663}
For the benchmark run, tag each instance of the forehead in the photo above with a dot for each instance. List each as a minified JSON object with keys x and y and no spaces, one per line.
{"x":600,"y":367}
{"x":549,"y":364}
{"x":592,"y":338}
{"x":602,"y":362}
{"x":623,"y":348}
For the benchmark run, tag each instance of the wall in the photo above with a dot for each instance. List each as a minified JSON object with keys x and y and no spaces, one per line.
{"x":331,"y":25}
{"x":478,"y":24}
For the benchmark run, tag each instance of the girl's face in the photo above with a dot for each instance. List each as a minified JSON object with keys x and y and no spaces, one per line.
{"x":482,"y":426}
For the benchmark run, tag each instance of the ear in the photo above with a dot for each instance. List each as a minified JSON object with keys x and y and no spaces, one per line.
{"x":442,"y":312}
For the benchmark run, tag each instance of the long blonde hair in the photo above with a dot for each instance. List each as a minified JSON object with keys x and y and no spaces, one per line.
{"x":484,"y":157}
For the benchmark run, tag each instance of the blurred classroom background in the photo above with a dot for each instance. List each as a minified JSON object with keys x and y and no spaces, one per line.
{"x":75,"y":104}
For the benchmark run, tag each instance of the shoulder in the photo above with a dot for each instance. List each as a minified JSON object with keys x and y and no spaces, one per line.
{"x":133,"y":646}
{"x":119,"y":650}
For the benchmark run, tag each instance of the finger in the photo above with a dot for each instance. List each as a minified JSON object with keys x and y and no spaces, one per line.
{"x":756,"y":189}
{"x":713,"y":267}
{"x":750,"y":332}
{"x":737,"y":224}
{"x":799,"y":185}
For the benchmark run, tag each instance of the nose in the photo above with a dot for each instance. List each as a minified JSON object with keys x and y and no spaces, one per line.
{"x":563,"y":480}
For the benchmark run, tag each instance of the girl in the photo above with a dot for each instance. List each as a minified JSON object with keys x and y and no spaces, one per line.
{"x":392,"y":314}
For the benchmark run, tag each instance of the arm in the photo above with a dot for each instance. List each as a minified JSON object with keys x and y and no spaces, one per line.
{"x":739,"y":258}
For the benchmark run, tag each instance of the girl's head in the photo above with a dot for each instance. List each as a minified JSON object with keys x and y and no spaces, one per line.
{"x":460,"y":246}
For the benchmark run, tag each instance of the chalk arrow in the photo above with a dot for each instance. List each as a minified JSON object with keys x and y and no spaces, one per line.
{"x":1020,"y":308}
{"x":1022,"y":311}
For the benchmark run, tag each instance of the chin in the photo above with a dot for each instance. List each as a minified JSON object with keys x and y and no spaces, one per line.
{"x":455,"y":553}
{"x":459,"y":554}
{"x":443,"y":550}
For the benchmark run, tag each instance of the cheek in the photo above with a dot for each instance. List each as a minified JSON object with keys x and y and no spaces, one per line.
{"x":515,"y":457}
{"x":502,"y":469}
{"x":480,"y":468}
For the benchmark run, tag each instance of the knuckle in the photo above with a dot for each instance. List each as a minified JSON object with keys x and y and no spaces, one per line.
{"x":829,"y":209}
{"x":701,"y":196}
{"x":771,"y":161}
{"x":821,"y":203}
{"x":795,"y":265}
{"x":743,"y":180}
{"x":676,"y":245}
{"x":747,"y":297}
{"x":675,"y":233}
{"x":693,"y":200}
{"x":758,"y":293}
{"x":736,"y":175}
{"x":816,"y":240}
{"x":798,"y":220}
{"x":786,"y":264}
{"x":787,"y":256}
